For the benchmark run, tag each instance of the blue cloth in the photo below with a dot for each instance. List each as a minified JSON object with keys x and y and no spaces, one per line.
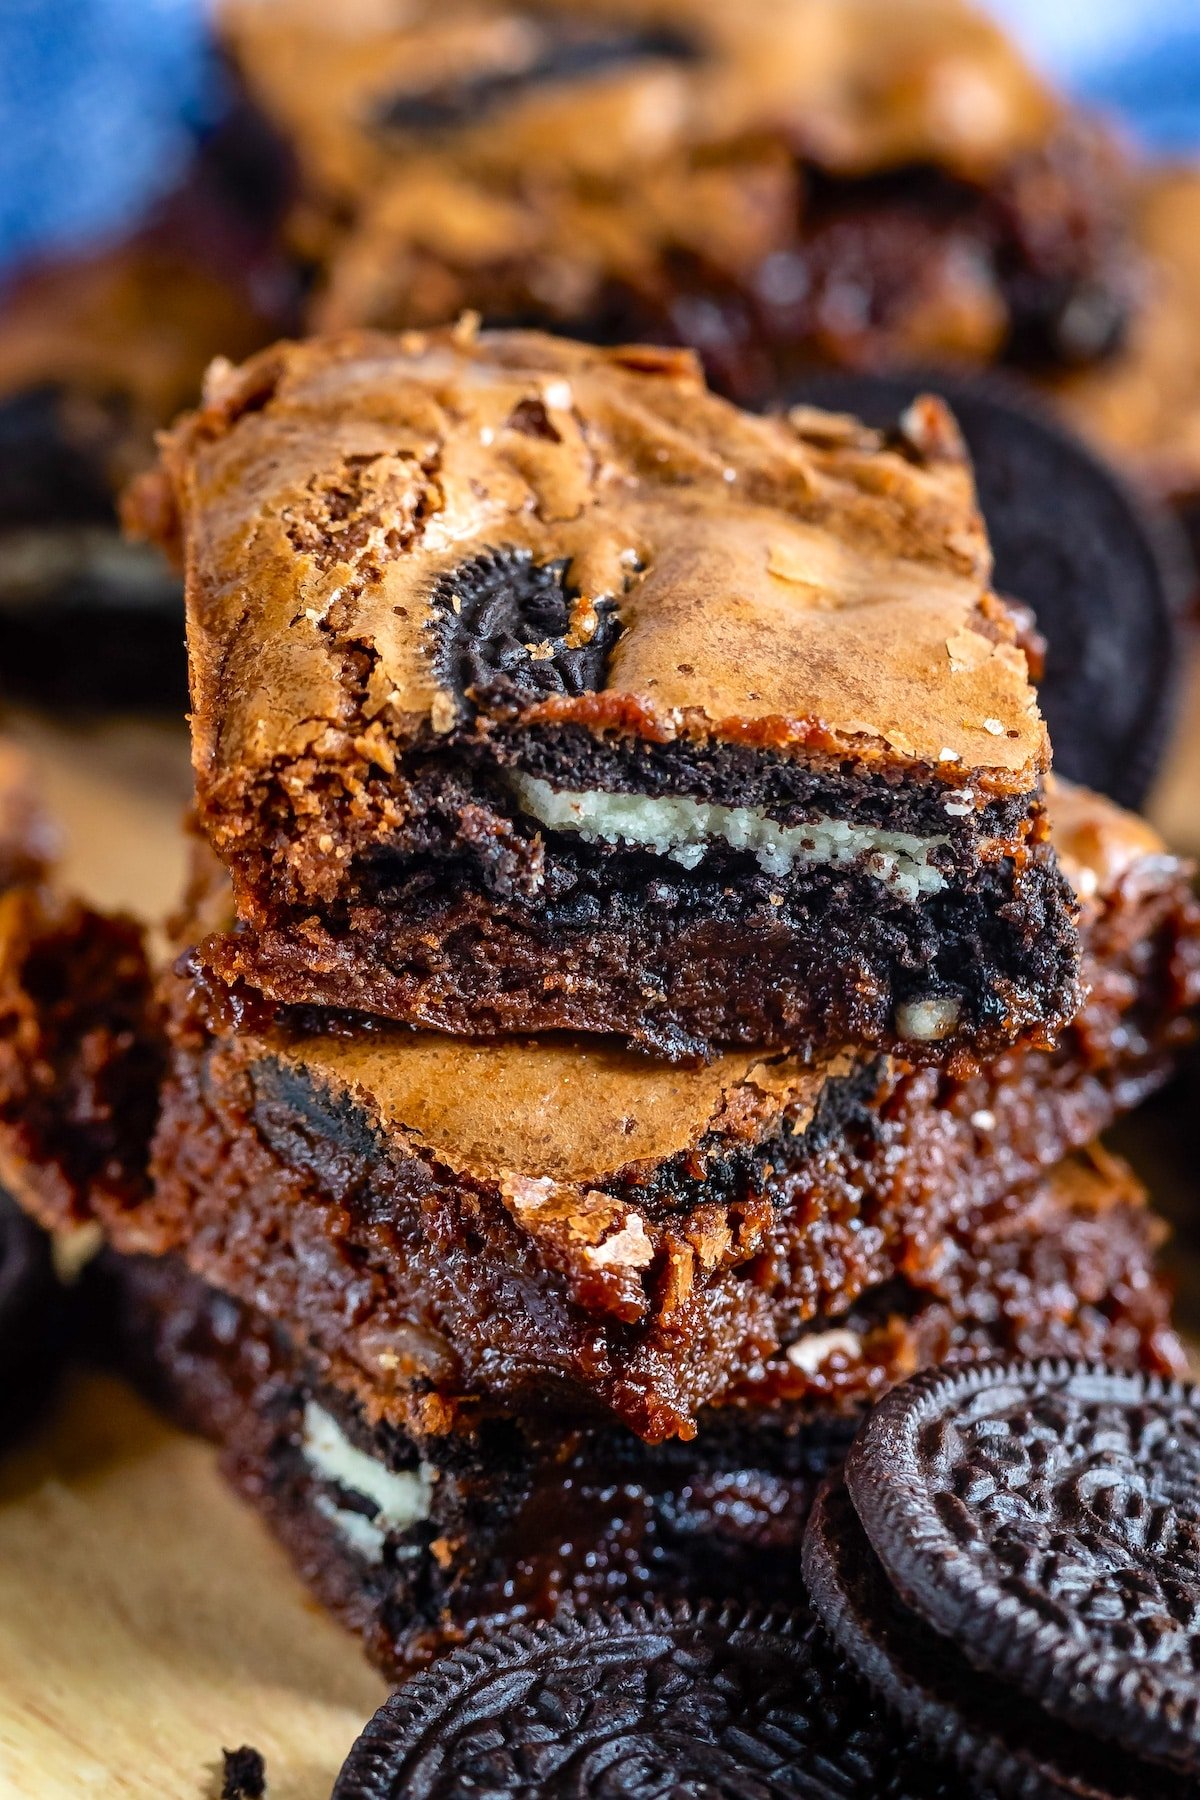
{"x":99,"y":104}
{"x":1136,"y":58}
{"x":100,"y":99}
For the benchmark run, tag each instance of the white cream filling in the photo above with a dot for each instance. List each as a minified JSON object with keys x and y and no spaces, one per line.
{"x":808,"y":1353}
{"x":683,"y":829}
{"x":401,"y":1499}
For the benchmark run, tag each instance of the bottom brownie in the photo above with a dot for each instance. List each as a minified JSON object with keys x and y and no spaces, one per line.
{"x":415,"y":1543}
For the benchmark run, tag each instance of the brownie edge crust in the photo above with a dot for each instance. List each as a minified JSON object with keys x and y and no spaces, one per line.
{"x":537,"y":688}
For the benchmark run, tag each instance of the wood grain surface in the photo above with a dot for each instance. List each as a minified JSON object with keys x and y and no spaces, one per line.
{"x":146,"y":1619}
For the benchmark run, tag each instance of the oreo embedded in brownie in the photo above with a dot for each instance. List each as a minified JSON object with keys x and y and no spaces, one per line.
{"x":770,"y":185}
{"x":414,"y":1537}
{"x":536,"y":688}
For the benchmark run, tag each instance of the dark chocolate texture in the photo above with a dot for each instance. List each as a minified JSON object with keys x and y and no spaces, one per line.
{"x":1044,"y":1518}
{"x":995,"y":1737}
{"x":510,"y":1518}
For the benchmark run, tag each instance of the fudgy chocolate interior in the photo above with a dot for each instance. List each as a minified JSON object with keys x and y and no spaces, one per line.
{"x":257,"y":1148}
{"x":446,"y":930}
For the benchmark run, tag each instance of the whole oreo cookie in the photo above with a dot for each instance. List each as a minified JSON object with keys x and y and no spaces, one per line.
{"x":1003,"y":1744}
{"x":1045,"y":1519}
{"x":30,"y":1318}
{"x":674,"y":1703}
{"x":1105,"y":574}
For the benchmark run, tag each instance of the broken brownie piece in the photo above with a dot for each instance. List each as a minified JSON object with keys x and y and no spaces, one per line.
{"x":81,"y":1058}
{"x":413,"y":1539}
{"x":536,"y":688}
{"x":771,"y":185}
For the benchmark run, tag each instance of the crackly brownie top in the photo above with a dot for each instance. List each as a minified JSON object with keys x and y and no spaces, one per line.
{"x":602,"y":88}
{"x":528,"y":1113}
{"x":391,"y":540}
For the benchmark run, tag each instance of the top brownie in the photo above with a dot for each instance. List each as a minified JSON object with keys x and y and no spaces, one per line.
{"x":534,"y":687}
{"x":776,"y":181}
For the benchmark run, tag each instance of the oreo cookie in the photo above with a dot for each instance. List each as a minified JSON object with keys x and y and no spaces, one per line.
{"x":1044,"y":1519}
{"x":1003,"y":1744}
{"x":708,"y":1703}
{"x":504,"y":626}
{"x":1105,"y":574}
{"x":31,"y":1324}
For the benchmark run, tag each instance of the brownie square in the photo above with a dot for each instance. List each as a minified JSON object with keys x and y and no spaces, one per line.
{"x":536,"y":688}
{"x":771,"y":185}
{"x":413,"y":1540}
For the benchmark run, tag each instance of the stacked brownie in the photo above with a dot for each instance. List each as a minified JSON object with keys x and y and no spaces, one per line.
{"x":641,"y":994}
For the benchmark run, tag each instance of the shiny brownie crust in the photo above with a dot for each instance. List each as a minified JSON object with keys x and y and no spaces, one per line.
{"x":520,"y":1519}
{"x":833,"y":186}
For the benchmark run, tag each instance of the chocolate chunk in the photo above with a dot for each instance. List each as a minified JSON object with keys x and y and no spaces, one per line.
{"x":1005,"y":1744}
{"x":705,"y":1702}
{"x":502,"y":623}
{"x":560,"y":50}
{"x":1045,"y":1518}
{"x":245,"y":1774}
{"x":1104,"y":574}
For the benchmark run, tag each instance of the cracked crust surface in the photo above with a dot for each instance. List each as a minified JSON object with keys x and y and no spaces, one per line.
{"x":801,"y":583}
{"x":777,"y":183}
{"x":420,"y":568}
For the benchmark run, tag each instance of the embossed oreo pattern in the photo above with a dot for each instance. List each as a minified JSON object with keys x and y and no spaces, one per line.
{"x":1004,"y":1744}
{"x":506,"y":623}
{"x":647,"y":1705}
{"x":1047,"y":1518}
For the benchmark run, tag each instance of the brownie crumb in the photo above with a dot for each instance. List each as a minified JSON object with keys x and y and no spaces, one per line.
{"x":245,"y":1774}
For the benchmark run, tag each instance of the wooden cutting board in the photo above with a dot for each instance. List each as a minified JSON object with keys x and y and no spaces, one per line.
{"x":146,"y":1618}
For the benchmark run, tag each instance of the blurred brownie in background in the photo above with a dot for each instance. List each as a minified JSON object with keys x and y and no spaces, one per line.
{"x":1143,"y":406}
{"x":98,"y":351}
{"x":858,"y":182}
